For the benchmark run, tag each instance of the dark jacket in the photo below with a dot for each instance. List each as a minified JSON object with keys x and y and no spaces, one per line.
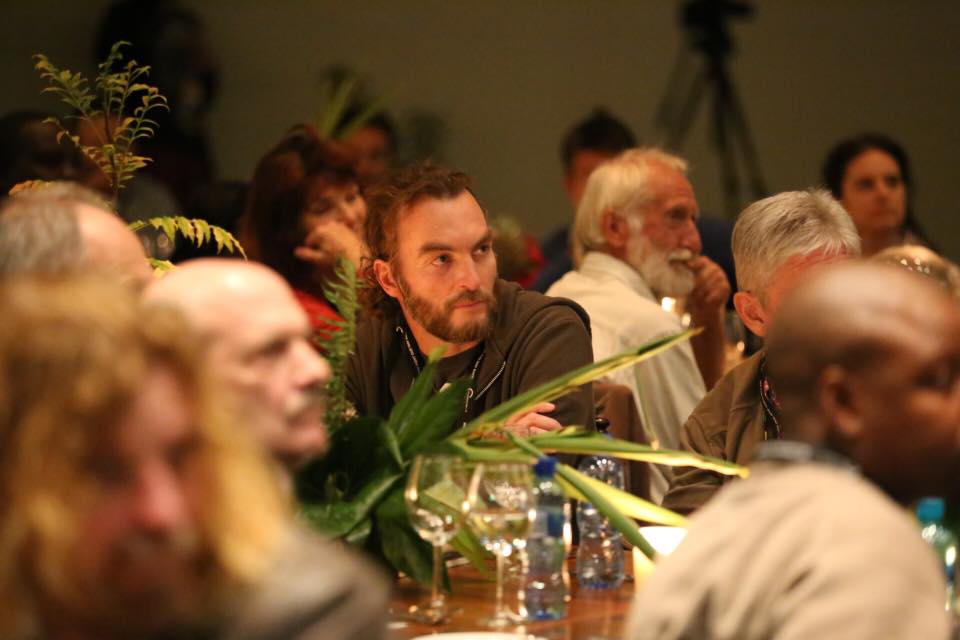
{"x":727,"y":424}
{"x":534,"y":338}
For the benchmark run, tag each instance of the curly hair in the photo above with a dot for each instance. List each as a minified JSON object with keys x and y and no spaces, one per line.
{"x":401,"y":190}
{"x":279,"y":193}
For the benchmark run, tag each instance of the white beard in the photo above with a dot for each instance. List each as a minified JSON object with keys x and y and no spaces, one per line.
{"x":665,"y":272}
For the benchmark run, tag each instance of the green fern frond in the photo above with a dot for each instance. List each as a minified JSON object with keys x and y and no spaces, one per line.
{"x":195,"y":230}
{"x":342,"y":292}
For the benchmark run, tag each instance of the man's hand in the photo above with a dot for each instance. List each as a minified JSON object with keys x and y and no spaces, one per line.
{"x":706,"y":307}
{"x":533,"y":422}
{"x":327,"y":241}
{"x":710,"y":291}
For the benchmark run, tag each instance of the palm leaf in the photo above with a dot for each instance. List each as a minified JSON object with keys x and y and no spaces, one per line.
{"x":496,"y":417}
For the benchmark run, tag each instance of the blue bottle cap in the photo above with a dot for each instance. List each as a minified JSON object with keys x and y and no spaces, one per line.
{"x":545,"y":467}
{"x":930,"y":510}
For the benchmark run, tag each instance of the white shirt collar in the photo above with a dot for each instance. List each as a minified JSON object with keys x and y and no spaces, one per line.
{"x":602,"y":265}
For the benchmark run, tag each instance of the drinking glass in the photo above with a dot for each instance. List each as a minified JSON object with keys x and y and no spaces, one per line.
{"x":436,"y":497}
{"x":501,"y":510}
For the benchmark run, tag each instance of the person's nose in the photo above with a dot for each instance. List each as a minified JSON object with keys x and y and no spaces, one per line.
{"x":691,"y":237}
{"x":161,"y":506}
{"x":352,"y":214}
{"x":310,"y":369}
{"x":468,"y":276}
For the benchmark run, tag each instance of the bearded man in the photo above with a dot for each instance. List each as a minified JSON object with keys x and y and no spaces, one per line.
{"x":636,"y":241}
{"x":432,"y":282}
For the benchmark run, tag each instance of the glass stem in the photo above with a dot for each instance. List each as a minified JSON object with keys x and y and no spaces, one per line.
{"x":498,"y":612}
{"x":436,"y":598}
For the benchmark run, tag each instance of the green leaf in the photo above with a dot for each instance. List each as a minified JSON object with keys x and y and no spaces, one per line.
{"x":401,"y":546}
{"x":389,"y":440}
{"x":588,"y":443}
{"x":626,"y":503}
{"x":339,"y":517}
{"x":496,"y":417}
{"x":435,"y":419}
{"x":467,"y":545}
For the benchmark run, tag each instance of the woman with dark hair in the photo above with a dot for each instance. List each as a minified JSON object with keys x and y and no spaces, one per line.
{"x":304,"y":211}
{"x":870,"y":175}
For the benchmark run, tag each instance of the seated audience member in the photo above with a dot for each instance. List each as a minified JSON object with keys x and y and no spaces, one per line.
{"x":256,"y":338}
{"x":64,"y":228}
{"x":590,"y":142}
{"x":635,"y":231}
{"x":925,"y":262}
{"x":870,"y":176}
{"x":777,"y":242}
{"x":304,"y":211}
{"x":130,"y":505}
{"x":29,"y":150}
{"x":433,"y":283}
{"x":817,"y":542}
{"x":374,"y":143}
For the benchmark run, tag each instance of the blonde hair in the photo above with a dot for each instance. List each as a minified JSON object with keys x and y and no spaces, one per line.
{"x":621,"y":184}
{"x":73,"y":355}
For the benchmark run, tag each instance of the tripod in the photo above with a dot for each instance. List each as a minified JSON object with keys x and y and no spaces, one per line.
{"x":705,"y":22}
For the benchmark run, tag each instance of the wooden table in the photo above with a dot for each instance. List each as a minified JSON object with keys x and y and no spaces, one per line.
{"x":591,"y":614}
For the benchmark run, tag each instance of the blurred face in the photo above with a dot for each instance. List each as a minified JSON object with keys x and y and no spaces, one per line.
{"x":334,"y":203}
{"x":42,"y":157}
{"x":372,"y":148}
{"x":667,"y":238}
{"x":910,"y":408}
{"x":873,"y":192}
{"x":445,"y":268}
{"x":138,"y":543}
{"x":261,"y":347}
{"x":581,"y":166}
{"x":757,"y":309}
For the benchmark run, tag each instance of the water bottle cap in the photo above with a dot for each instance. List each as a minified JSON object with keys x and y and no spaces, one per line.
{"x":545,"y":467}
{"x":930,"y":509}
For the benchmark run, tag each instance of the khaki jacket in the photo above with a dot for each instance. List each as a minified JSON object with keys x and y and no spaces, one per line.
{"x":727,"y":424}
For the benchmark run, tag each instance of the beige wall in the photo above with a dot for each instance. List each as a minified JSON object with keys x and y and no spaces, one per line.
{"x":508,"y":76}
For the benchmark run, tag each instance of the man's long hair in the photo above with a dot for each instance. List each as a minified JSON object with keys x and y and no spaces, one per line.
{"x":73,"y":357}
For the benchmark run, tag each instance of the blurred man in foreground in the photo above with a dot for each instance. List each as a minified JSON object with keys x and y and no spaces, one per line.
{"x":130,"y":504}
{"x":817,"y":542}
{"x":256,"y":337}
{"x":777,"y":243}
{"x":64,"y":228}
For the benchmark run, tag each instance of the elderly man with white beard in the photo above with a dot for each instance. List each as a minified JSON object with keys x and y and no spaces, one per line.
{"x":635,"y":242}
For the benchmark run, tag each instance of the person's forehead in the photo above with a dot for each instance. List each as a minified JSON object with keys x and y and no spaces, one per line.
{"x":258,"y":311}
{"x":872,"y":160}
{"x":458,"y":220}
{"x":670,"y":188}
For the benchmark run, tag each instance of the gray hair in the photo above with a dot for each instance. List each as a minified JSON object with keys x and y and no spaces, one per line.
{"x":792,"y":223}
{"x":39,"y":230}
{"x":621,"y":185}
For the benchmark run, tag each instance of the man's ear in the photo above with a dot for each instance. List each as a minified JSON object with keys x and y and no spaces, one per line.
{"x":384,"y":273}
{"x":836,"y":393}
{"x":751,"y":312}
{"x":615,"y":229}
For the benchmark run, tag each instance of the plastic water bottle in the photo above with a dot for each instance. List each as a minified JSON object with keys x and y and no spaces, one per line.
{"x":546,"y":582}
{"x":600,"y":554}
{"x":944,"y":543}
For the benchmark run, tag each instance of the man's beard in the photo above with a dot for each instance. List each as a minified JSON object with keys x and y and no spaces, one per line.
{"x":438,"y":319}
{"x":665,"y":272}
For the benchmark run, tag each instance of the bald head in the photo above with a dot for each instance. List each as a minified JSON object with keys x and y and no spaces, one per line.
{"x":257,"y":338}
{"x":65,"y":228}
{"x":865,"y":360}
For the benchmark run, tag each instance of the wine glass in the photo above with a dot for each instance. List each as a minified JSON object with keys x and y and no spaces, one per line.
{"x":436,"y":497}
{"x":501,"y":510}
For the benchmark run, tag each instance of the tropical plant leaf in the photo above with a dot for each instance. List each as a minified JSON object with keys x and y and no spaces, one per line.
{"x":342,"y":292}
{"x":496,"y":417}
{"x":598,"y":496}
{"x":160,"y":267}
{"x":401,"y":546}
{"x":339,"y":517}
{"x":590,"y":443}
{"x":625,"y":502}
{"x":435,"y":419}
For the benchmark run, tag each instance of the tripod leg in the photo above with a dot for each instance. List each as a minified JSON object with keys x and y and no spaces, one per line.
{"x":721,"y":130}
